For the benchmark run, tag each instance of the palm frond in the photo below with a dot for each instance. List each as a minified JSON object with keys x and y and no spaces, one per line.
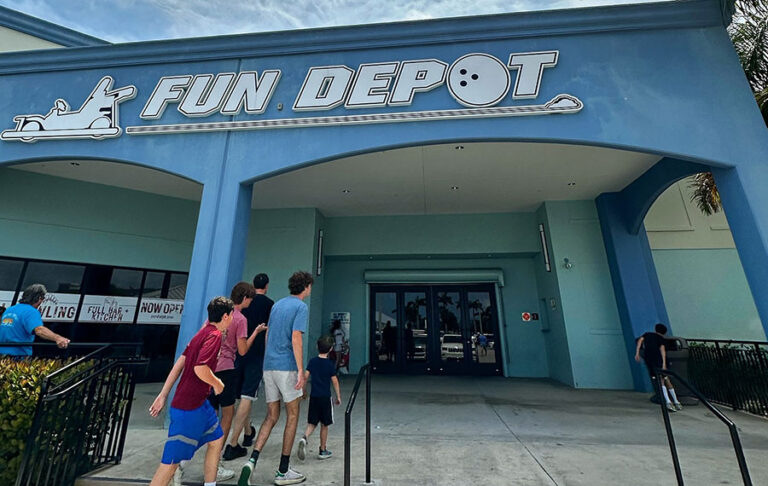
{"x":705,"y":194}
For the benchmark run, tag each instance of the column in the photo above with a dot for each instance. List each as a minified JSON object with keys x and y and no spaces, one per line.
{"x":219,"y":250}
{"x":744,"y":193}
{"x":633,"y":273}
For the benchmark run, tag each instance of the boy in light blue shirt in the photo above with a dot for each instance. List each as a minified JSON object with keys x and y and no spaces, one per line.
{"x":283,"y":376}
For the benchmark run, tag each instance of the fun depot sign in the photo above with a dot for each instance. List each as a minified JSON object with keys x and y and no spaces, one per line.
{"x":481,"y":84}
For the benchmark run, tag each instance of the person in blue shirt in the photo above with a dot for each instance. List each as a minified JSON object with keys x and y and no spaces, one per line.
{"x":20,"y":323}
{"x":283,"y":376}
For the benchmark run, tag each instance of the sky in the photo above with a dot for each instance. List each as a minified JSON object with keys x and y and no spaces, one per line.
{"x":137,"y":20}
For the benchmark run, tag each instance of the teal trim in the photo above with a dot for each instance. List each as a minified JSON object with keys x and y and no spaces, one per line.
{"x":494,"y":275}
{"x":45,"y":30}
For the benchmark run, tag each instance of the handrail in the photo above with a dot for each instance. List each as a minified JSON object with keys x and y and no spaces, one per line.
{"x":720,"y":415}
{"x":726,"y":341}
{"x":364,"y":370}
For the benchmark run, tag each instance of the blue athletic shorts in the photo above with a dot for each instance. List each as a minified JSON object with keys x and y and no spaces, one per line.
{"x":189,"y":431}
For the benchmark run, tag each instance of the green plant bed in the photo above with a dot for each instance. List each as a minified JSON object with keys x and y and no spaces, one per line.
{"x":20,"y":384}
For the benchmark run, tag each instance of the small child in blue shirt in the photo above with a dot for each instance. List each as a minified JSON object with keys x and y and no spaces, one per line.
{"x":323,"y":373}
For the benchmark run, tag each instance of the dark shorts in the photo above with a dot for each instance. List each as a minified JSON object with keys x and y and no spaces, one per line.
{"x":231,"y":388}
{"x":250,"y":373}
{"x":650,"y":368}
{"x":320,"y":410}
{"x":190,"y":430}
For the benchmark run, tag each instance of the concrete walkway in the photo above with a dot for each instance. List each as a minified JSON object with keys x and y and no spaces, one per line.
{"x":491,"y":431}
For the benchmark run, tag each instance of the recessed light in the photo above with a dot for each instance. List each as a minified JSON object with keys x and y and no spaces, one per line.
{"x":345,"y":191}
{"x":571,"y":184}
{"x":459,"y":147}
{"x":454,"y":188}
{"x":75,"y":164}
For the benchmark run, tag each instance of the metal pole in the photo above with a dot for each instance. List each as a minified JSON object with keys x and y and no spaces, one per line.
{"x":368,"y":425}
{"x":740,"y":455}
{"x":668,"y":427}
{"x":347,"y":441}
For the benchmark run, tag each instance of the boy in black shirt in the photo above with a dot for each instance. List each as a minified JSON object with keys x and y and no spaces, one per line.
{"x":323,"y":373}
{"x":656,"y":357}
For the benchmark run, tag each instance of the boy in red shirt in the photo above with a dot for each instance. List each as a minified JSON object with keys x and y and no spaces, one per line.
{"x":193,"y":420}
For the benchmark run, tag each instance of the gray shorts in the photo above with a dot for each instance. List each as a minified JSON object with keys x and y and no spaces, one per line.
{"x":281,"y":385}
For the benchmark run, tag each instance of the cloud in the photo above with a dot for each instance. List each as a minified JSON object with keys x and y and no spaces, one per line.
{"x":133,"y":20}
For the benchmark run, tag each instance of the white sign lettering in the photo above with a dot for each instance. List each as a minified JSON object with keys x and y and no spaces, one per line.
{"x":105,"y":308}
{"x":160,"y":311}
{"x":59,"y":307}
{"x":324,"y":88}
{"x":479,"y":82}
{"x":371,"y":85}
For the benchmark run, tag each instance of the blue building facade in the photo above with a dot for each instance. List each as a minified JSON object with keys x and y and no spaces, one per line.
{"x":233,"y":113}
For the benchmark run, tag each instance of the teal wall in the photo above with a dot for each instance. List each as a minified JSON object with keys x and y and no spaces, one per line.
{"x":588,"y":305}
{"x":280,"y":242}
{"x":703,"y":282}
{"x":551,"y":311}
{"x":54,"y":218}
{"x":504,"y":233}
{"x":707,"y":295}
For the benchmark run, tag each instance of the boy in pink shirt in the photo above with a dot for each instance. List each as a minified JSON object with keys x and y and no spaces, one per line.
{"x":236,"y":341}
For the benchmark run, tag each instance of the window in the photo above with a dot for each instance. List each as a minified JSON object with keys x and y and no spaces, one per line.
{"x":10,"y":270}
{"x":178,"y":287}
{"x":125,"y":282}
{"x":57,"y":277}
{"x":153,"y":284}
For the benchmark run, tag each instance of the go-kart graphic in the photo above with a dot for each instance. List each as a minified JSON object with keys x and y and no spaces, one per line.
{"x":96,"y":118}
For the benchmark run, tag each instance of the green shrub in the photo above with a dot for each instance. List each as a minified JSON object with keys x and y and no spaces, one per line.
{"x":20,"y":383}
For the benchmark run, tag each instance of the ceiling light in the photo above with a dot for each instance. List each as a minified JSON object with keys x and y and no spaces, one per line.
{"x":571,"y":184}
{"x":459,"y":147}
{"x":75,"y":164}
{"x":345,"y":191}
{"x":454,"y":188}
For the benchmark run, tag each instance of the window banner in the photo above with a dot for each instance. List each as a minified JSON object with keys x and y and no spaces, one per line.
{"x":59,"y":307}
{"x":107,"y":308}
{"x":160,"y":311}
{"x":6,"y":297}
{"x":341,"y":340}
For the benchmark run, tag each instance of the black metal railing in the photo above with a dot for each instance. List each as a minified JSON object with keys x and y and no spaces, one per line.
{"x":717,"y":413}
{"x":732,"y":373}
{"x":364,"y":371}
{"x":82,"y":413}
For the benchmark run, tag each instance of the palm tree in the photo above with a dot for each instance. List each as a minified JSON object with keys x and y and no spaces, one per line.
{"x":749,"y":33}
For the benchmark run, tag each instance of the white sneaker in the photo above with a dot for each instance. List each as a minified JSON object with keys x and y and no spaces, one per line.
{"x":301,"y":451}
{"x":290,"y":477}
{"x":245,"y":474}
{"x":678,"y":406}
{"x":222,"y":474}
{"x":178,"y":474}
{"x":671,"y":407}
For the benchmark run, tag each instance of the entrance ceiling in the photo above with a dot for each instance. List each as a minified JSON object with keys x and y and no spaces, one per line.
{"x":434,"y":179}
{"x":455,"y":178}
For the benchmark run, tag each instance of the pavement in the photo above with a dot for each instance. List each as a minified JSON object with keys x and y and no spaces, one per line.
{"x":433,"y":430}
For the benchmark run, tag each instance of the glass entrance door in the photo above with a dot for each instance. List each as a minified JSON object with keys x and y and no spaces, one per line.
{"x":440,"y":329}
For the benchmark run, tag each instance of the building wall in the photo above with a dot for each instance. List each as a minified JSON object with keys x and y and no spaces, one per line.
{"x":595,"y":340}
{"x":696,"y":261}
{"x":12,"y":40}
{"x":54,"y":218}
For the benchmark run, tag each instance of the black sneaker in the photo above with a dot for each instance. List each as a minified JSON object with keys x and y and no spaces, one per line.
{"x":231,"y":453}
{"x":248,"y":438}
